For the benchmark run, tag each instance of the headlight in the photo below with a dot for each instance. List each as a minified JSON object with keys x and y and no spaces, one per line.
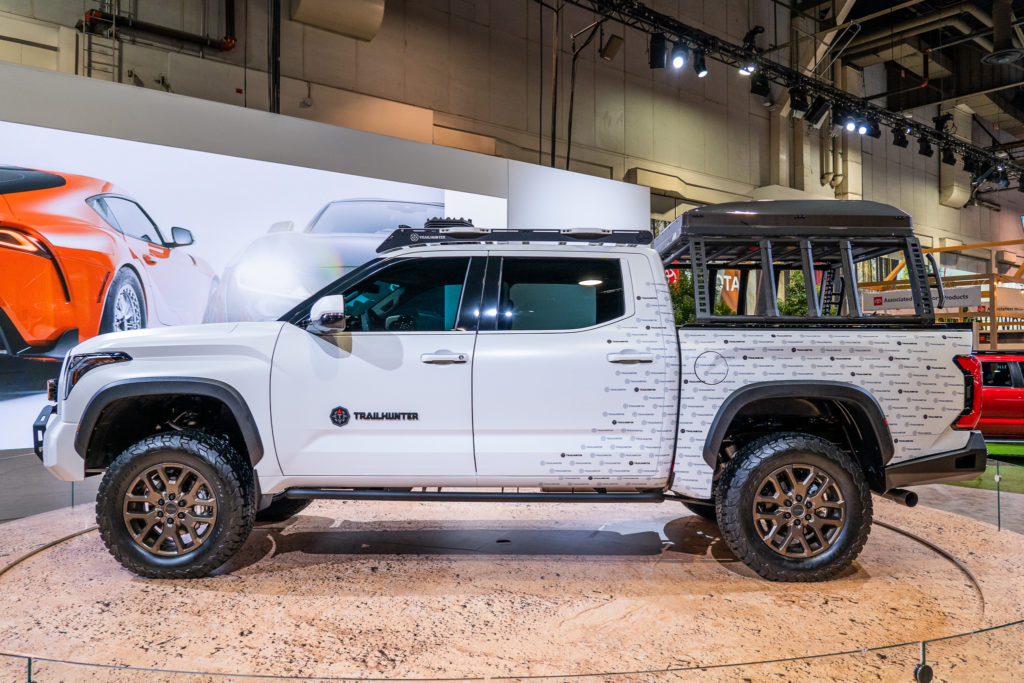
{"x":84,"y":362}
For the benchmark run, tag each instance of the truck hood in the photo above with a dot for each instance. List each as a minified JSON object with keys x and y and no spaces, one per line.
{"x":222,"y":339}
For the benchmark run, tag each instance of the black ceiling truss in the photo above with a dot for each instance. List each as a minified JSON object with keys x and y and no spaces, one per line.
{"x":635,"y":14}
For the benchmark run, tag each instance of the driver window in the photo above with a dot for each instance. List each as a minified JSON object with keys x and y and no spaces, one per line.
{"x":419,"y":295}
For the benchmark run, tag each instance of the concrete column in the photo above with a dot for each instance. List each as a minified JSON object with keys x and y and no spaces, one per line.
{"x":954,"y":181}
{"x":852,"y":186}
{"x":779,"y":141}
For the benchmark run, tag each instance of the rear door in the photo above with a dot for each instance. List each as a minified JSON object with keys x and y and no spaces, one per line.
{"x":567,"y":381}
{"x":1002,"y":407}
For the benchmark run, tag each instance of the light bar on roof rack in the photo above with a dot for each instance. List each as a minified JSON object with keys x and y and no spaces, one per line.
{"x":404,"y":237}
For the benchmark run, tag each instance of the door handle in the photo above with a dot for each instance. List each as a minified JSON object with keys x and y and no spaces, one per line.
{"x":444,"y":358}
{"x":630,"y":357}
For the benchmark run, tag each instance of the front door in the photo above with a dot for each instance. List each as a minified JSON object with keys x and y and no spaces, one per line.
{"x":567,"y":382}
{"x":391,"y":395}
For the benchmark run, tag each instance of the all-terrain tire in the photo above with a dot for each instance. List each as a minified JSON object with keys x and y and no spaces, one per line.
{"x":705,"y":510}
{"x":223,"y":492}
{"x":282,"y":509}
{"x":758,"y":470}
{"x":127,"y":290}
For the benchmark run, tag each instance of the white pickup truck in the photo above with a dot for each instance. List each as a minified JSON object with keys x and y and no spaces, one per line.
{"x":540,"y":366}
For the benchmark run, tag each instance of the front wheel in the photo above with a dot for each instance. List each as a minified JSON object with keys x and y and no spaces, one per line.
{"x":794,"y":507}
{"x":176,"y":505}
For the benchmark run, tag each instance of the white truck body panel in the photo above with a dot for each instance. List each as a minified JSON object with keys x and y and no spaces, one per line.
{"x":909,"y":372}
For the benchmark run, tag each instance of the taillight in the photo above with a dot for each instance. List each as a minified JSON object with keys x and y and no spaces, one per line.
{"x":13,"y":239}
{"x":971,"y":367}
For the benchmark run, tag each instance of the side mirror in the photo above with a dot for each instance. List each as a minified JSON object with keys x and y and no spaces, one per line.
{"x":282,"y":226}
{"x":327,"y":315}
{"x":180,"y":237}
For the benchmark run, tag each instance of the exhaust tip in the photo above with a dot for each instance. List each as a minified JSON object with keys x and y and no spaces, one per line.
{"x":902,"y":496}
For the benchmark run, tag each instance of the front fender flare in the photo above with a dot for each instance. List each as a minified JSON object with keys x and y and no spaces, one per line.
{"x":171,"y":386}
{"x":822,"y":390}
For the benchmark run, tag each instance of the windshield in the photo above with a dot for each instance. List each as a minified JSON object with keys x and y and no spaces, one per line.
{"x":368,"y":217}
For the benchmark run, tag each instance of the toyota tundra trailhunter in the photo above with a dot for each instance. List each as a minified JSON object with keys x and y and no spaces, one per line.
{"x":541,"y":366}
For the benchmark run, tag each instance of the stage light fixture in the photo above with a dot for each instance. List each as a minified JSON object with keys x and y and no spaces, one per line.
{"x":760,"y":86}
{"x":970,"y":165}
{"x":815,"y":114}
{"x":924,"y":148}
{"x":1002,"y":180}
{"x":611,"y":48}
{"x":678,"y":56}
{"x":700,"y":65}
{"x":748,"y":68}
{"x":948,"y":157}
{"x":798,"y":101}
{"x":656,"y":58}
{"x":862,"y":127}
{"x":874,"y":130}
{"x":899,"y":137}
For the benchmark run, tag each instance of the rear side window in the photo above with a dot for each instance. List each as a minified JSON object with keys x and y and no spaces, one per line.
{"x":996,"y":374}
{"x":14,"y":179}
{"x":559,"y":293}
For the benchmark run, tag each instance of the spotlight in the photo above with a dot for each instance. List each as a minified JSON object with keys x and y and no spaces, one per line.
{"x":862,"y":127}
{"x":844,"y":119}
{"x":924,"y":148}
{"x":656,"y":58}
{"x":700,"y":66}
{"x":760,"y":86}
{"x":1002,"y":180}
{"x":815,"y":114}
{"x":798,"y":101}
{"x":899,"y":137}
{"x":611,"y":48}
{"x":849,"y":124}
{"x":873,"y":129}
{"x":678,"y":56}
{"x":948,"y":157}
{"x":970,"y":165}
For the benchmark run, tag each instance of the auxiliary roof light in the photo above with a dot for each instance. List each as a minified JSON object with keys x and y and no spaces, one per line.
{"x":678,"y":55}
{"x":700,"y":65}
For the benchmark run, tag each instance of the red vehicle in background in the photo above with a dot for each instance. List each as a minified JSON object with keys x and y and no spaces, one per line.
{"x":1002,"y":395}
{"x":78,"y":258}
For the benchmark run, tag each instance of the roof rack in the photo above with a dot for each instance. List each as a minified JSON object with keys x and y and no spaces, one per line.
{"x":786,"y":218}
{"x":469,"y":234}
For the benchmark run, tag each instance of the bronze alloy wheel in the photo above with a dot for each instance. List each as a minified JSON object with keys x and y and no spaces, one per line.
{"x":799,"y":510}
{"x":170,"y":509}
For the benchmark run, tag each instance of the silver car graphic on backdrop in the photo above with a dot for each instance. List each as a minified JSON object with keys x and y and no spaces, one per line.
{"x":278,"y":270}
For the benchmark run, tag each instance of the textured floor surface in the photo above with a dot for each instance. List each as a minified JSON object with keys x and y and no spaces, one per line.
{"x":411,"y":590}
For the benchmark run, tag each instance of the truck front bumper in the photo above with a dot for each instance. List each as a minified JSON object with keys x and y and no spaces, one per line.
{"x":54,"y":443}
{"x":965,"y":463}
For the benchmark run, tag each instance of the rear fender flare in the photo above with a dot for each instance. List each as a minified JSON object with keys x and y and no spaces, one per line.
{"x":817,"y":390}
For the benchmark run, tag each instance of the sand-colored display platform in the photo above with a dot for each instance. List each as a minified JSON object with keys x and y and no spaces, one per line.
{"x":425,"y":590}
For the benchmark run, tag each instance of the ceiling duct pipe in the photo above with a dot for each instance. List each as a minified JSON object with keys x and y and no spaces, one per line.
{"x":908,"y":29}
{"x":1003,"y":51}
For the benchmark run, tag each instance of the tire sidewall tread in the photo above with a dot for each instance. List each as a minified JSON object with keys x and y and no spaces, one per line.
{"x":229,"y":474}
{"x":734,"y":498}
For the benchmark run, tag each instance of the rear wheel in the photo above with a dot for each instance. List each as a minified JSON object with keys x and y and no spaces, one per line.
{"x":176,"y":505}
{"x":125,"y":307}
{"x":794,"y":507}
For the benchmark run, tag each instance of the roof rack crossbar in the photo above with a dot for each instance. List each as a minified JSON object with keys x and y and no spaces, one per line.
{"x":404,"y":236}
